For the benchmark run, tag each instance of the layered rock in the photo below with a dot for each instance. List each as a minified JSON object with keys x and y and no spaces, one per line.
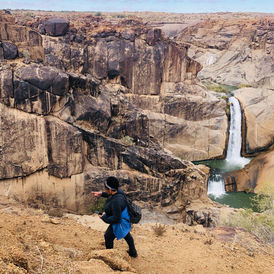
{"x":118,"y":104}
{"x":23,"y":143}
{"x":150,"y":75}
{"x":34,"y":88}
{"x":257,"y":106}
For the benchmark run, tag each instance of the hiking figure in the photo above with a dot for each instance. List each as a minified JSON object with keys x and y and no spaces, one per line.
{"x":116,"y":215}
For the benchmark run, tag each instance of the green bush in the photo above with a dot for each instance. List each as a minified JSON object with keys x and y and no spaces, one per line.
{"x":260,"y":223}
{"x":99,"y":205}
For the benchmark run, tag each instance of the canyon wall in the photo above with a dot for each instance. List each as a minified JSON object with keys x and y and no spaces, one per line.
{"x":123,"y":103}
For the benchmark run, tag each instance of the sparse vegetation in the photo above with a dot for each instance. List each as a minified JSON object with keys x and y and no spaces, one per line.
{"x":26,"y":54}
{"x":127,"y":140}
{"x":244,"y":85}
{"x":222,"y":88}
{"x":261,"y":221}
{"x":159,"y":229}
{"x":227,"y":109}
{"x":99,"y":205}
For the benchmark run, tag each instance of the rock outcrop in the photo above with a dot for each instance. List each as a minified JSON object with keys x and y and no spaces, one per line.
{"x":123,"y":102}
{"x":257,"y":105}
{"x":13,"y":36}
{"x":233,"y":52}
{"x":157,"y":79}
{"x":256,"y":176}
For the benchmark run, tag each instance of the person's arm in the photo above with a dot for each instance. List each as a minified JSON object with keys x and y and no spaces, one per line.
{"x":115,"y":218}
{"x":99,"y":194}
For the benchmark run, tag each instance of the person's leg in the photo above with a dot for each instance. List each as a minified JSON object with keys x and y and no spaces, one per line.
{"x":109,"y":237}
{"x":132,"y":250}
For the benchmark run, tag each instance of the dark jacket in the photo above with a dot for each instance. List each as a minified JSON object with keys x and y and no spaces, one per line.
{"x":115,"y":204}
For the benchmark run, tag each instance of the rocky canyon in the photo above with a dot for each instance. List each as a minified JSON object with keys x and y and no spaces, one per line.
{"x":83,"y":97}
{"x":144,"y":97}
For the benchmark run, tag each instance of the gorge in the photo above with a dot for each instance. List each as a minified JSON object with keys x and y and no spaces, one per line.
{"x":83,"y":98}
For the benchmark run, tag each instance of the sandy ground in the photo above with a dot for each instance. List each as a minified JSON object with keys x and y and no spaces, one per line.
{"x":34,"y":242}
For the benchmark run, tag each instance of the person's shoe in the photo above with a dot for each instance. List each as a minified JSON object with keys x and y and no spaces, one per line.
{"x":133,"y":253}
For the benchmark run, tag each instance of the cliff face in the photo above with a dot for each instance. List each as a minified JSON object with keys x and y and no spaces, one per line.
{"x":239,"y":52}
{"x":123,"y":102}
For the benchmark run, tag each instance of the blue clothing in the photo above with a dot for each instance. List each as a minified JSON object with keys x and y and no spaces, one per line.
{"x":121,"y":229}
{"x":116,"y":214}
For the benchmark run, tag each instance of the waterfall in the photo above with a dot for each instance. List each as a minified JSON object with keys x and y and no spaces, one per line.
{"x":216,"y":185}
{"x":233,"y":159}
{"x":235,"y":135}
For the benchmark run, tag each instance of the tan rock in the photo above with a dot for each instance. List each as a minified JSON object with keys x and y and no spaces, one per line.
{"x":28,"y":41}
{"x":65,"y":146}
{"x":23,"y":143}
{"x":257,"y":176}
{"x":258,"y":109}
{"x":233,"y":51}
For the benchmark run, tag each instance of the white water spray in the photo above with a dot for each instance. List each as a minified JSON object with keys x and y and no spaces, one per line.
{"x":233,"y":161}
{"x":216,"y":185}
{"x":235,"y":136}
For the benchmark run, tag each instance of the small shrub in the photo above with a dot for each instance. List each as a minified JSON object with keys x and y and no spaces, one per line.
{"x":264,"y":200}
{"x":217,"y":88}
{"x":26,"y":54}
{"x":98,"y":14}
{"x":55,"y":212}
{"x":99,"y":205}
{"x":159,"y":229}
{"x":244,"y":85}
{"x":127,"y":140}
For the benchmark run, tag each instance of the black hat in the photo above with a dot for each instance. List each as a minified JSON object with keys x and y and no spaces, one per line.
{"x":112,"y":183}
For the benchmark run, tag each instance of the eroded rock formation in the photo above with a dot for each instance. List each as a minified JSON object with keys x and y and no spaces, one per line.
{"x":109,"y":105}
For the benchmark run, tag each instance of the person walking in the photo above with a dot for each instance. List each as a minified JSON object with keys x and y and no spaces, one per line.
{"x":116,"y":215}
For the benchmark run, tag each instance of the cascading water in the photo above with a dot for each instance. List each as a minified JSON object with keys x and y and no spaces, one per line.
{"x":233,"y":159}
{"x":235,"y":136}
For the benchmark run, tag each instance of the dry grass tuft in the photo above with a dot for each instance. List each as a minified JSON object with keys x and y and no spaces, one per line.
{"x":159,"y":229}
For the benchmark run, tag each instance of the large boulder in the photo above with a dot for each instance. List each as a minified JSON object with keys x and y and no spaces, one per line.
{"x":257,"y":106}
{"x":256,"y":176}
{"x":10,"y":50}
{"x":56,"y":26}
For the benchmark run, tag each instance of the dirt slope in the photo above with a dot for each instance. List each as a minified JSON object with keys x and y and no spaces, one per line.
{"x":33,"y":242}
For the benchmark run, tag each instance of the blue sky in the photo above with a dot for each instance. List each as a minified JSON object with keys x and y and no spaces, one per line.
{"x":180,"y":6}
